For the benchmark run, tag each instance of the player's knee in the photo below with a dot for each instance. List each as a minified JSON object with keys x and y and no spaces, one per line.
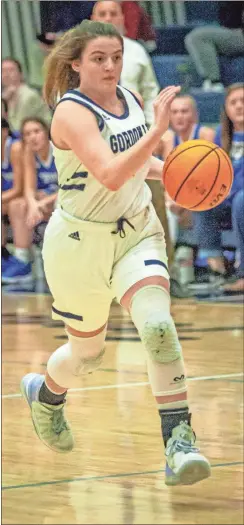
{"x":160,"y":339}
{"x":150,"y":311}
{"x":86,"y":354}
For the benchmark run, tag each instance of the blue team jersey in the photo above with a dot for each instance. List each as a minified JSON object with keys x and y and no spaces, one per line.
{"x":194,"y":135}
{"x":237,"y":158}
{"x":7,"y":170}
{"x":47,"y":177}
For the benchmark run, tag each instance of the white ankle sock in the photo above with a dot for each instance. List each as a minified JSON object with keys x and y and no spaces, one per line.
{"x":23,"y":254}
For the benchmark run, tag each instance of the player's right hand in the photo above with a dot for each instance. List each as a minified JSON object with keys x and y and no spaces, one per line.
{"x":162,"y":107}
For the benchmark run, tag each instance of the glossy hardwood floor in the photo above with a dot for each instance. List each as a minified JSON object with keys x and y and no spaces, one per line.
{"x":115,"y":475}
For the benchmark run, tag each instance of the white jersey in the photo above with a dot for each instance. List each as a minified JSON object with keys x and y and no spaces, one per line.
{"x":80,"y":193}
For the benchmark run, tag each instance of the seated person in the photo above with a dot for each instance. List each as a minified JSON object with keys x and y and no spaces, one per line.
{"x":23,"y":101}
{"x":41,"y":186}
{"x":12,"y":179}
{"x":184,"y":126}
{"x":4,"y":109}
{"x":230,"y":136}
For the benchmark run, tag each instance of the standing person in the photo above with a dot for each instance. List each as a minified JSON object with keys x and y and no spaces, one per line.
{"x":12,"y":180}
{"x":230,"y":136}
{"x":22,"y":100}
{"x":110,"y":241}
{"x":41,"y":185}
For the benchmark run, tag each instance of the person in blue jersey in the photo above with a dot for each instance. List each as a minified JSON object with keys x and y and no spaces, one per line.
{"x":184,"y":125}
{"x":105,"y":241}
{"x":36,"y":206}
{"x":229,"y":136}
{"x":12,"y":180}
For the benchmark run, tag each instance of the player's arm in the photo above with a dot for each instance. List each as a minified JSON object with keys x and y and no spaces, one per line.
{"x":75,"y":127}
{"x":17,"y":166}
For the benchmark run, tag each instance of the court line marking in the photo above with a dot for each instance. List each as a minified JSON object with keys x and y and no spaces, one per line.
{"x":131,"y":385}
{"x":106,"y":476}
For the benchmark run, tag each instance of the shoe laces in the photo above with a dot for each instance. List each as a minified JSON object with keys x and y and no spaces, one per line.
{"x":58,"y":421}
{"x":183,"y":441}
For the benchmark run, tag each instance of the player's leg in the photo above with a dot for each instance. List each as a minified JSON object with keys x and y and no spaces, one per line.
{"x":79,"y":283}
{"x":46,"y":395}
{"x":141,"y":282}
{"x":19,"y":268}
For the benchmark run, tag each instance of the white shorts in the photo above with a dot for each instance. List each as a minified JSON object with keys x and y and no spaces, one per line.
{"x":87,"y":265}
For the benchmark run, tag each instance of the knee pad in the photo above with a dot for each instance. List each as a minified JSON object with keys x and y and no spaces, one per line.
{"x":77,"y":357}
{"x":150,"y":312}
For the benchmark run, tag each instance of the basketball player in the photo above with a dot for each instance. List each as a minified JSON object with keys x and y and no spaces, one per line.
{"x":104,"y":240}
{"x":41,"y":185}
{"x":12,"y":180}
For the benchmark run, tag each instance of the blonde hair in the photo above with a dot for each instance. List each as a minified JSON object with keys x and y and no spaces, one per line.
{"x":59,"y":75}
{"x":227,"y":126}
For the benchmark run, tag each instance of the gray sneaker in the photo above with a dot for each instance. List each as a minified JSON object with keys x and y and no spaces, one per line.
{"x":185,"y":465}
{"x":49,"y":421}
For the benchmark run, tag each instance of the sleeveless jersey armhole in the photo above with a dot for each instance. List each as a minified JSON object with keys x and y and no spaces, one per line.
{"x":74,"y":97}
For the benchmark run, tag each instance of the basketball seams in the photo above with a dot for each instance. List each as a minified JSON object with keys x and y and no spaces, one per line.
{"x":214,"y":182}
{"x":183,"y":151}
{"x":192,"y":170}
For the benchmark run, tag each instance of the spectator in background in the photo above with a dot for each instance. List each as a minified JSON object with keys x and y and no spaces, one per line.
{"x":38,"y":51}
{"x":22,"y":100}
{"x":230,"y":136}
{"x":184,"y":126}
{"x":204,"y":44}
{"x":138,"y":24}
{"x":4,"y":109}
{"x":57,"y":16}
{"x":12,"y":179}
{"x":41,"y":185}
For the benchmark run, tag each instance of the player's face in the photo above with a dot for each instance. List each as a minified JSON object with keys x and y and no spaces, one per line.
{"x":101,"y":64}
{"x":234,"y":106}
{"x":11,"y":75}
{"x":35,"y":136}
{"x":182,"y":115}
{"x":109,"y":12}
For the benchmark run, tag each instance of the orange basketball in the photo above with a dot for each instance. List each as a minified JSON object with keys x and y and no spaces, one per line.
{"x":198,"y":175}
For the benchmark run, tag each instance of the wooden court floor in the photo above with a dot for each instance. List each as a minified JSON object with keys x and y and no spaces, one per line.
{"x":115,"y":475}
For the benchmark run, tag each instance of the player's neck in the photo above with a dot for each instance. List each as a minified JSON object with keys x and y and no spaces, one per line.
{"x":43,"y":154}
{"x":107,"y":101}
{"x":238,"y":127}
{"x":187,"y":134}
